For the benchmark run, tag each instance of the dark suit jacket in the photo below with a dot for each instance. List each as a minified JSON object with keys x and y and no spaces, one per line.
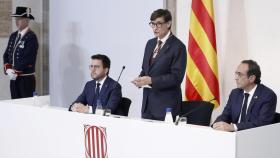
{"x":23,"y":55}
{"x":167,"y":73}
{"x":260,"y":111}
{"x":110,"y":94}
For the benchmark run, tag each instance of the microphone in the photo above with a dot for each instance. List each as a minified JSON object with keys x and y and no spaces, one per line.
{"x":121,"y":73}
{"x":191,"y":111}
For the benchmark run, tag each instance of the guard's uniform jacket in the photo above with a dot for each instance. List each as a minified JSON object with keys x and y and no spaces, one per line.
{"x":21,"y":55}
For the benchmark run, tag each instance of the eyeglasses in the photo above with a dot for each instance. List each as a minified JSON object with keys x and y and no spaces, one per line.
{"x":158,"y":24}
{"x":94,"y":66}
{"x":239,"y":74}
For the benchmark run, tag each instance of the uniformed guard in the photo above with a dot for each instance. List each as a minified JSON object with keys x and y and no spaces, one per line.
{"x":20,"y":56}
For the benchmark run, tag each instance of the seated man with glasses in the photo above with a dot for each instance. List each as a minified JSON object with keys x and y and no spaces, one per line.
{"x":163,"y":69}
{"x":102,"y":88}
{"x":251,"y":104}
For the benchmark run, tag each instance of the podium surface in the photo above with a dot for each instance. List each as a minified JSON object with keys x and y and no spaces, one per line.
{"x":45,"y":131}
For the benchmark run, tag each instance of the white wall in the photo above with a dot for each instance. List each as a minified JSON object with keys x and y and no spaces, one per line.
{"x":244,"y":30}
{"x":78,"y":30}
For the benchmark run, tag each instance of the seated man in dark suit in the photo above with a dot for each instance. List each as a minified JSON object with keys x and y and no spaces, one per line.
{"x":251,"y":104}
{"x":102,"y":88}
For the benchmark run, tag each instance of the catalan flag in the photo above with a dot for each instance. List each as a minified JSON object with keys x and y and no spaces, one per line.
{"x":202,"y":67}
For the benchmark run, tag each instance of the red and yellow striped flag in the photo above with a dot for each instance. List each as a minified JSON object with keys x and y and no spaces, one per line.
{"x":202,"y":67}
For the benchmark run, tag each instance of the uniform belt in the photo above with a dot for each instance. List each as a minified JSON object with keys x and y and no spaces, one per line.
{"x":27,"y":74}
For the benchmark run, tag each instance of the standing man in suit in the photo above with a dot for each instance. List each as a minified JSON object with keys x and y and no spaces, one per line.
{"x":20,"y":56}
{"x":102,"y":88}
{"x":251,"y":104}
{"x":163,"y":69}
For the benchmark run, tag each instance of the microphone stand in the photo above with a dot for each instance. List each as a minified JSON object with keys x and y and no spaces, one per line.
{"x":121,"y":73}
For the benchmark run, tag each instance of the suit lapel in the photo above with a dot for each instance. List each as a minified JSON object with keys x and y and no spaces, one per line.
{"x":150,"y":53}
{"x":104,"y":87}
{"x":239,"y":105}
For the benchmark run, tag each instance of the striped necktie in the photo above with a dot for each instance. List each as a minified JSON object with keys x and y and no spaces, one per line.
{"x":156,"y":51}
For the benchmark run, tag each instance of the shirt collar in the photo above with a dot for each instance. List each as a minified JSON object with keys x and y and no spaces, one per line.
{"x":102,"y":81}
{"x":164,"y":39}
{"x":23,"y":32}
{"x":252,"y":91}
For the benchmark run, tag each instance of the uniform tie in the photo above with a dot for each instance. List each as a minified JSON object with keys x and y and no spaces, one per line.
{"x":18,"y":38}
{"x":16,"y":41}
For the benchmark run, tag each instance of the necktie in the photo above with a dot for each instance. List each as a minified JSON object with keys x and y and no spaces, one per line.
{"x":97,"y":90}
{"x":156,"y":51}
{"x":244,"y":107}
{"x":18,"y":38}
{"x":16,"y":41}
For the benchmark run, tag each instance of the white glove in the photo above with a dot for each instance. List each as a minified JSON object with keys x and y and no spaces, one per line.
{"x":11,"y":73}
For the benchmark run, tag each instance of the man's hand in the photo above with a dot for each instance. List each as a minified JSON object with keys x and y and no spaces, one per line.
{"x":142,"y":81}
{"x":79,"y":107}
{"x":223,"y":126}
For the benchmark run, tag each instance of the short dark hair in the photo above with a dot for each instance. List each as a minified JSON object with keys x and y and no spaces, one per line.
{"x":254,"y":69}
{"x":161,"y":13}
{"x":105,"y":60}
